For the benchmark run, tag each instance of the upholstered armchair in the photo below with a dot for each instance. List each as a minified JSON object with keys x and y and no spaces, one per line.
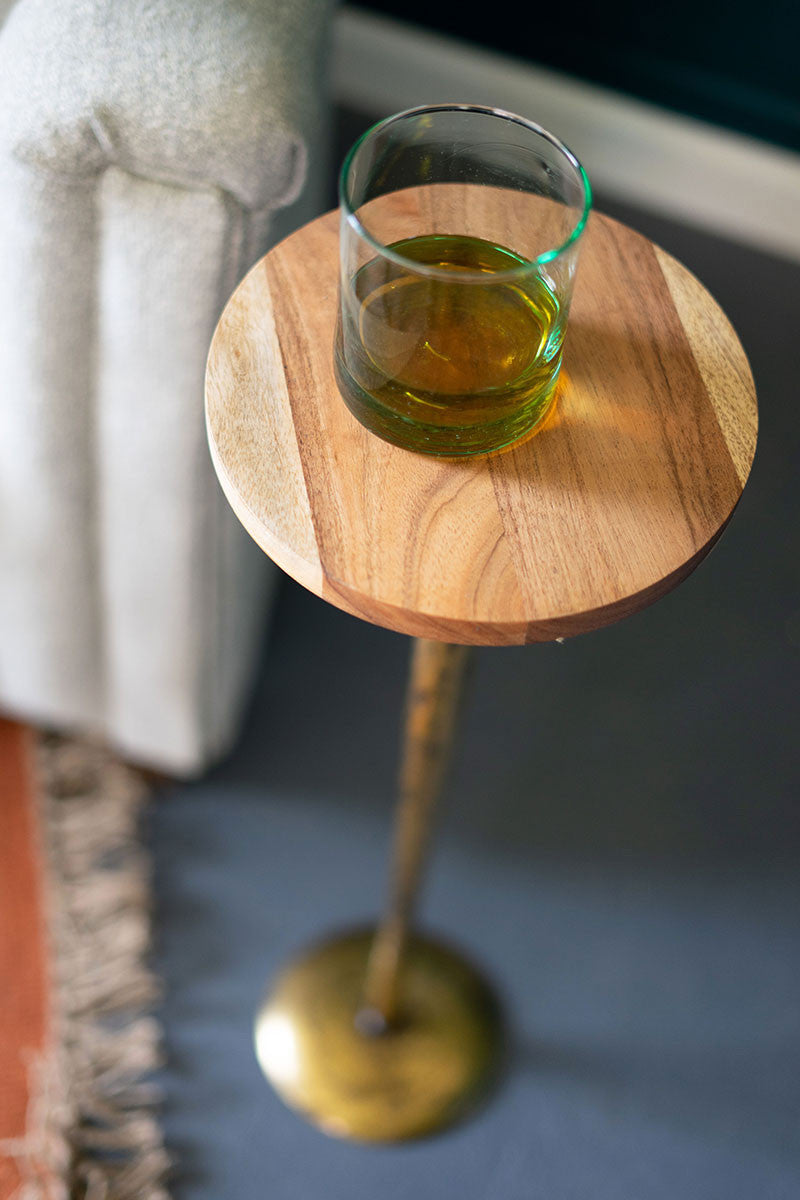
{"x":150,"y":151}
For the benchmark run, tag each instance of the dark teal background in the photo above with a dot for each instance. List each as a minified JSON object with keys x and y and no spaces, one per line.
{"x":734,"y":64}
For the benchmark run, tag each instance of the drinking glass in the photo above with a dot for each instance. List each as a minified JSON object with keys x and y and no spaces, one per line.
{"x":460,"y":233}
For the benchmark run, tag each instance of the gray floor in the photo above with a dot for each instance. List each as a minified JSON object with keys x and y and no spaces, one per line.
{"x":619,"y":850}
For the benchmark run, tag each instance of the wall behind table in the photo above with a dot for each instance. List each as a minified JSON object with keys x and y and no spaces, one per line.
{"x":733,"y":64}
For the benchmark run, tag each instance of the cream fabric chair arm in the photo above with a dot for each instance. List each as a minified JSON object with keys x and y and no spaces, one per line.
{"x":146,"y":149}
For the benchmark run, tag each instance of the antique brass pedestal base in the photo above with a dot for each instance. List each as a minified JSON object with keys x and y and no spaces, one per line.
{"x":336,"y":1063}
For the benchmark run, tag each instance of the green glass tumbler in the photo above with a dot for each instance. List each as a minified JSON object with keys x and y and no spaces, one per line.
{"x":460,"y":232}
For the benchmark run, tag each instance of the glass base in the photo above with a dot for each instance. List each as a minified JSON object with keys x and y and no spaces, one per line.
{"x":325,"y":1058}
{"x":443,"y":440}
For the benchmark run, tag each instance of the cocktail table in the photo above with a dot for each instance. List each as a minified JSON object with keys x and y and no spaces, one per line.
{"x":611,"y":503}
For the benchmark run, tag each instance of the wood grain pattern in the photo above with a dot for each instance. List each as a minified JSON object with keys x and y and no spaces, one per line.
{"x":721,"y":360}
{"x":526,"y":223}
{"x":608,"y":506}
{"x":249,"y":425}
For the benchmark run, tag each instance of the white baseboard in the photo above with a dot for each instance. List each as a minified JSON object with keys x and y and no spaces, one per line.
{"x":691,"y":171}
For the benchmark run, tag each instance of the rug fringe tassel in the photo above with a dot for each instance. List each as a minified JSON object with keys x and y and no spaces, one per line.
{"x":93,"y":1132}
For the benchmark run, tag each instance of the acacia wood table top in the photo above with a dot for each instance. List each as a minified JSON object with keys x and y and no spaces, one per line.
{"x":610,"y":504}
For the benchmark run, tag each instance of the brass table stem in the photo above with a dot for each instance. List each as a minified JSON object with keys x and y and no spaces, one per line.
{"x":432,"y":704}
{"x":384,"y":1034}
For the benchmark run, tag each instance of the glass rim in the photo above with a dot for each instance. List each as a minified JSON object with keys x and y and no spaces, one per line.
{"x":467,"y":276}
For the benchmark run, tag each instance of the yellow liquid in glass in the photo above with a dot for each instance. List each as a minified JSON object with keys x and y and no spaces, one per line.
{"x":450,"y":366}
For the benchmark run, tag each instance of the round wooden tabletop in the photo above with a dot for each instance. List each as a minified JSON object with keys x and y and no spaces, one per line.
{"x":613,"y":502}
